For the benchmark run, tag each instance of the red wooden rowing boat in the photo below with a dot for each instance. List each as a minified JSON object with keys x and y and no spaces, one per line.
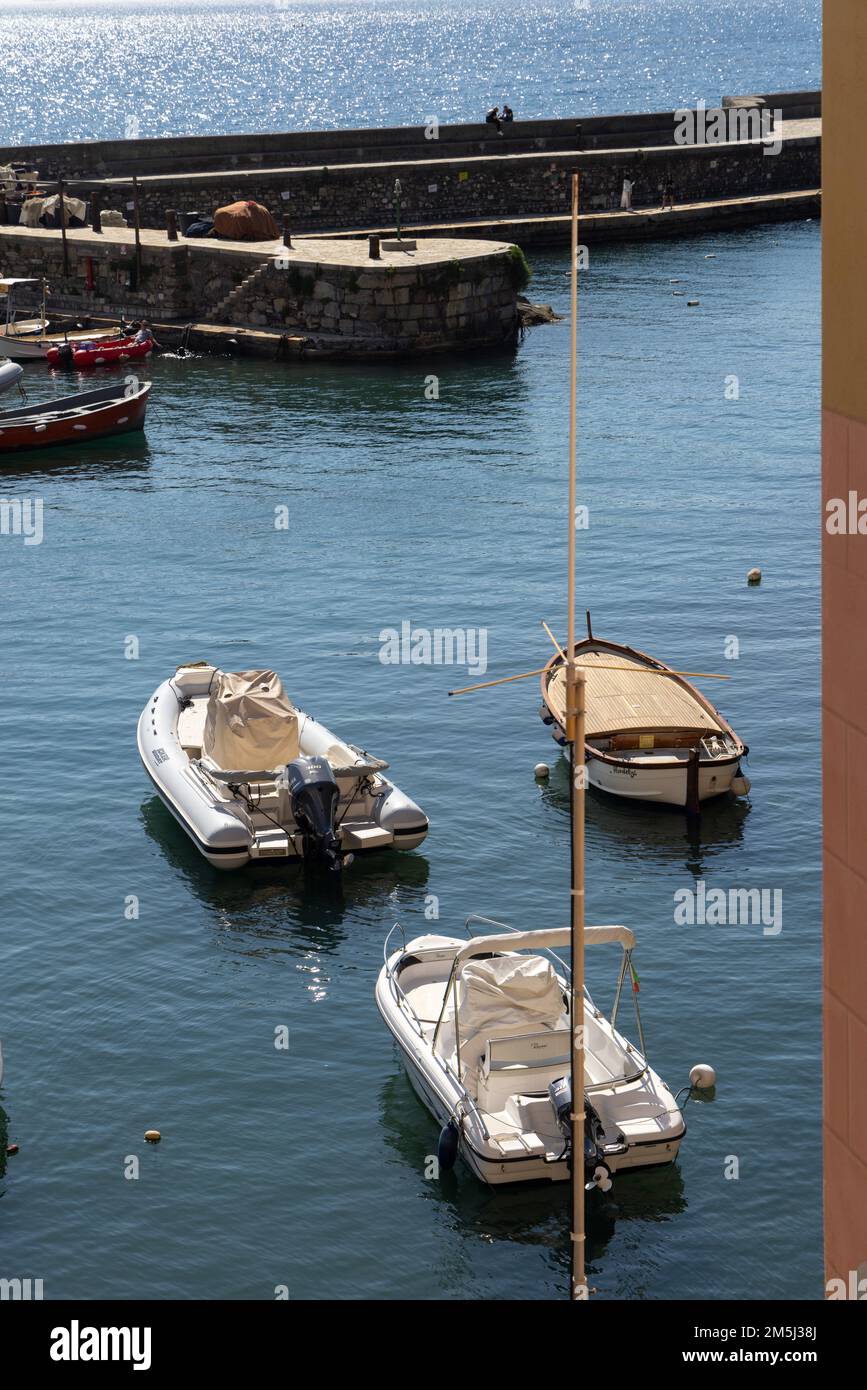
{"x":74,"y":419}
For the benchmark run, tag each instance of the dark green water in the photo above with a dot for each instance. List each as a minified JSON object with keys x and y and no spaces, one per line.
{"x":306,"y":1167}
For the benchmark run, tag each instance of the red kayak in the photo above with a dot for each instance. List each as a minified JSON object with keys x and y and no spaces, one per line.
{"x":100,"y":354}
{"x":74,"y":419}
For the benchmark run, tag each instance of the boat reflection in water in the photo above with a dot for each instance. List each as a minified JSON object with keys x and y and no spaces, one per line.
{"x":529,"y":1214}
{"x":275,"y":907}
{"x":659,"y":834}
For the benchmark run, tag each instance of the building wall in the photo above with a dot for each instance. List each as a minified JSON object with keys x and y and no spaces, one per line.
{"x":845,"y":644}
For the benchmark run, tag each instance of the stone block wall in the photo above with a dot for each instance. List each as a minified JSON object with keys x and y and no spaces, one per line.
{"x":328,"y":199}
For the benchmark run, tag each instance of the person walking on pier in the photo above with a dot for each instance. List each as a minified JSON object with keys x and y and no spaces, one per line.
{"x":668,"y":194}
{"x":626,"y":196}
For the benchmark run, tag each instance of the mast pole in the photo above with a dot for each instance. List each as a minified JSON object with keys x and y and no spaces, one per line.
{"x":575,"y":681}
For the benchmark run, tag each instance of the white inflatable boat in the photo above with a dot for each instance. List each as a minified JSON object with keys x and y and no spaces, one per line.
{"x":10,"y":373}
{"x":251,"y":777}
{"x":484,"y":1035}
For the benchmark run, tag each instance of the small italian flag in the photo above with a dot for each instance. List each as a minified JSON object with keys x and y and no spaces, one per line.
{"x":635,"y":985}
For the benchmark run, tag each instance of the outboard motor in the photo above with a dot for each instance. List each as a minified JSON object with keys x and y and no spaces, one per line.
{"x":314,"y":794}
{"x":64,"y":355}
{"x":596,"y":1170}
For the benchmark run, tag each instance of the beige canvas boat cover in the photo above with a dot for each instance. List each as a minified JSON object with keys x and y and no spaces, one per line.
{"x":250,"y":724}
{"x":519,"y":993}
{"x":245,"y":222}
{"x":630,"y":697}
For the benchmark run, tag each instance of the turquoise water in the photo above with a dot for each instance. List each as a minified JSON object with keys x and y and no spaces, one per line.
{"x":306,"y":1167}
{"x":84,"y":71}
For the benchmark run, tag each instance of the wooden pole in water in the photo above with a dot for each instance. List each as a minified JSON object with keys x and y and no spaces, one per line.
{"x":575,"y":683}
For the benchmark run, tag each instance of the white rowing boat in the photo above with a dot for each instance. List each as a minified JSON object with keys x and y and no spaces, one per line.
{"x":649,"y":734}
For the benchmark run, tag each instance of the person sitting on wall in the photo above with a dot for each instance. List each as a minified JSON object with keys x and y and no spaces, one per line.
{"x":493,"y":118}
{"x":508,"y":114}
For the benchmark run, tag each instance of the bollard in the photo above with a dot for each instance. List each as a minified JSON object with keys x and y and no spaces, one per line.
{"x":287,"y":235}
{"x":374,"y":248}
{"x":171,"y":224}
{"x":95,"y":210}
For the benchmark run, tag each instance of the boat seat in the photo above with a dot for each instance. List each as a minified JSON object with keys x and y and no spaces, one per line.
{"x":525,"y":1064}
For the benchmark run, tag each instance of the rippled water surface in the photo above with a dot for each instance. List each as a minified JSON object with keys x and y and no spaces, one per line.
{"x":83,"y":71}
{"x":306,"y":1167}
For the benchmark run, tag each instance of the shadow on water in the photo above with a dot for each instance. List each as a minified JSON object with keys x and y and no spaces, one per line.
{"x":277,"y":904}
{"x":662,"y":835}
{"x":528,"y":1213}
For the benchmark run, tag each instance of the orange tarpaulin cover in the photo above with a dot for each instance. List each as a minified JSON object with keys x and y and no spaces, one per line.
{"x":245,"y":222}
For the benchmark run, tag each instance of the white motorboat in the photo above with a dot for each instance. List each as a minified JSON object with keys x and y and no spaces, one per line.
{"x":28,"y":339}
{"x":649,"y":734}
{"x":10,"y":374}
{"x":484,"y":1033}
{"x":251,"y":777}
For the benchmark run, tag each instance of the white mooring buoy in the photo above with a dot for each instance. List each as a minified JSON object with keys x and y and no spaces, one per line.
{"x":754,"y":576}
{"x":542,"y":770}
{"x":702,"y":1077}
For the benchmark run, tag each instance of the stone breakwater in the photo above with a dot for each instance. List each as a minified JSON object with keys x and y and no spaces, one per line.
{"x":453,"y":175}
{"x":446,"y":295}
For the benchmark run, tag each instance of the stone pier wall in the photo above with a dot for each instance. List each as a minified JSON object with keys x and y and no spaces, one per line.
{"x":360,"y":196}
{"x":460,"y":300}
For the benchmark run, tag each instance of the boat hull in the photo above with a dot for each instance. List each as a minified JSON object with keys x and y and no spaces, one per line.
{"x":663,"y":781}
{"x":438,"y":1090}
{"x":20,"y":348}
{"x":73,"y":420}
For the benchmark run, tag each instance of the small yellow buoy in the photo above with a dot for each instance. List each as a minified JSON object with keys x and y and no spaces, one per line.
{"x":153,"y":1136}
{"x":754,"y":576}
{"x":541,"y":770}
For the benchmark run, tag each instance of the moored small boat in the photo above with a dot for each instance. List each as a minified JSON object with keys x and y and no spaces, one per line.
{"x":250,"y":777}
{"x":26,"y":338}
{"x":10,"y":373}
{"x":98,"y":354}
{"x":74,"y":419}
{"x":650,"y":735}
{"x":484,"y":1034}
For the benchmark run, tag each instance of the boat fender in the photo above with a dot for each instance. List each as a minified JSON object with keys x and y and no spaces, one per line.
{"x":740,"y":784}
{"x":447,"y":1147}
{"x":702,"y":1077}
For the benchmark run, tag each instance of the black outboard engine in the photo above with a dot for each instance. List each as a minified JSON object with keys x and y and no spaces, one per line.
{"x":314,"y":794}
{"x":596,"y":1170}
{"x":64,"y":355}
